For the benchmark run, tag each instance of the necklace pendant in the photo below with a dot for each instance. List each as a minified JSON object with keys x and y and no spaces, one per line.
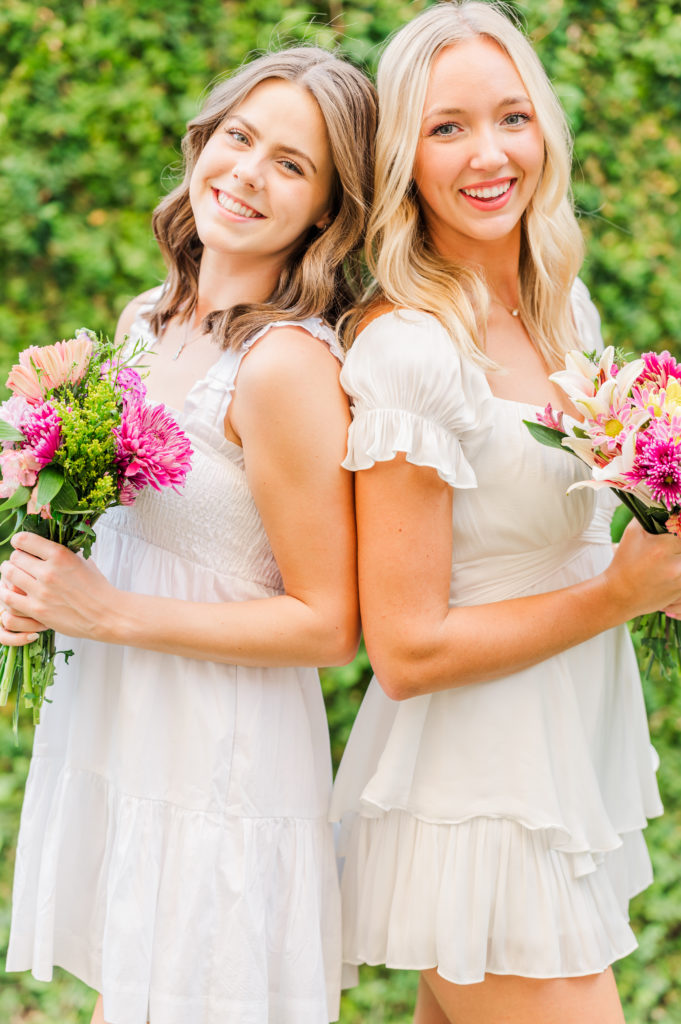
{"x":180,"y":349}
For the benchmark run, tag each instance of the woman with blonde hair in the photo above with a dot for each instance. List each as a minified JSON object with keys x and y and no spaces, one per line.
{"x":499,"y":774}
{"x":174,"y":850}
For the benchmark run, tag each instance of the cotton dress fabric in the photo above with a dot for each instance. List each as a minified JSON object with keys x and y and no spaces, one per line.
{"x":174,"y":850}
{"x":493,"y":827}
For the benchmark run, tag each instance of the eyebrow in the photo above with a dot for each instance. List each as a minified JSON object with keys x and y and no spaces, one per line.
{"x":509,"y":101}
{"x":289,"y":150}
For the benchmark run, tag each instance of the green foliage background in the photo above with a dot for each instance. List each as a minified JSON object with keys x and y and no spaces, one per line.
{"x":94,"y":95}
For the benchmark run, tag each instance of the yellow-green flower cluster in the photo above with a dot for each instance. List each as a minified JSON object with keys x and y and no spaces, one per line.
{"x":88,"y":447}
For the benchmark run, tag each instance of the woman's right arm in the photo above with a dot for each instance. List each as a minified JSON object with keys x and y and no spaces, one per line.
{"x":418,"y":644}
{"x":415,"y":402}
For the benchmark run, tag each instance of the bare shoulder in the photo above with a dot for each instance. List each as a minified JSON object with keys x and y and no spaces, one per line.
{"x":287,"y":357}
{"x":129,"y":314}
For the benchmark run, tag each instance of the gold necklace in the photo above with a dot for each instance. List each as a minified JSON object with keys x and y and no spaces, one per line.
{"x":513,"y":310}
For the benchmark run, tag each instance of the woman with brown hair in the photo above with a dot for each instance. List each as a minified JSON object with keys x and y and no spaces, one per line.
{"x":174,"y":850}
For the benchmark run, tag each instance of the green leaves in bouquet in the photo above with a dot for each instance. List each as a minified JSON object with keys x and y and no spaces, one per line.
{"x":10,"y":433}
{"x":546,"y":435}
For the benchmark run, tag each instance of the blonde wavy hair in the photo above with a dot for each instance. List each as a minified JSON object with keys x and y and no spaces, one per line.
{"x":407,"y":269}
{"x":323,"y":276}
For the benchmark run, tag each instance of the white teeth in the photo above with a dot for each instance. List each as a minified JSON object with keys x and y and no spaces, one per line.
{"x":487,"y":193}
{"x":234,"y":207}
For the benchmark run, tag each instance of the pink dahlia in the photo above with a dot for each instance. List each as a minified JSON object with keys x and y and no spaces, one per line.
{"x":43,"y":432}
{"x":151,"y":448}
{"x":42,"y":368}
{"x":658,"y":462}
{"x":659,"y":367}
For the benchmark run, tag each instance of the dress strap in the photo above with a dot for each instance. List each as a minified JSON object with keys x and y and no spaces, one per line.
{"x":210,"y":397}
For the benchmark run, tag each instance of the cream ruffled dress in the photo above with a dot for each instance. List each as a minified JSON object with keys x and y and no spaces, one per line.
{"x":174,"y":850}
{"x":493,"y":827}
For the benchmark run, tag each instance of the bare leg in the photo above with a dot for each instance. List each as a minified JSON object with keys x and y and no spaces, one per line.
{"x":98,"y":1014}
{"x":511,"y":1000}
{"x":428,"y":1010}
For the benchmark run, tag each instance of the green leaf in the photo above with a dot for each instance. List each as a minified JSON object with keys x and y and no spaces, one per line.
{"x":50,"y":482}
{"x":66,"y":499}
{"x":11,"y":525}
{"x":546,"y":435}
{"x":10,"y":433}
{"x":621,"y":518}
{"x":20,"y":497}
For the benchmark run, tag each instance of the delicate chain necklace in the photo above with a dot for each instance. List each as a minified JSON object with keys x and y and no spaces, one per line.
{"x":513,"y":310}
{"x":186,"y":338}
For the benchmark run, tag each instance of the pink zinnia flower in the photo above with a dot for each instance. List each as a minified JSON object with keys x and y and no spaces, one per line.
{"x":658,"y":461}
{"x":151,"y":448}
{"x":43,"y":432}
{"x":19,"y":469}
{"x":42,"y":368}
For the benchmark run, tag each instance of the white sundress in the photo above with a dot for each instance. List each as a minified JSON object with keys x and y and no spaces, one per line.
{"x":174,"y":850}
{"x":493,"y":827}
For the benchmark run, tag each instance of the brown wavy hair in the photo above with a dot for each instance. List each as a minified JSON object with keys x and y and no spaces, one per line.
{"x":323,"y":276}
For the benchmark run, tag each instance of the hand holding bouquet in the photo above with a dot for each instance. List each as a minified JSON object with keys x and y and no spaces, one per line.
{"x":631,"y":439}
{"x":78,"y":438}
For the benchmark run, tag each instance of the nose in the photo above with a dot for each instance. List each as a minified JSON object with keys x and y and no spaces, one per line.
{"x":488,"y":151}
{"x":247,"y":170}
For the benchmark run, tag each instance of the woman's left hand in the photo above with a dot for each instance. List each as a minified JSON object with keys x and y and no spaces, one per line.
{"x":46,"y":586}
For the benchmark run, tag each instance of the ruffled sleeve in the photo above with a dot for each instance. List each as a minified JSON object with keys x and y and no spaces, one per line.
{"x":587,"y":318}
{"x":412,"y":392}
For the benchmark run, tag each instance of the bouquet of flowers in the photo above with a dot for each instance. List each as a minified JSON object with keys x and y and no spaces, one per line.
{"x":631,"y":440}
{"x":78,"y":437}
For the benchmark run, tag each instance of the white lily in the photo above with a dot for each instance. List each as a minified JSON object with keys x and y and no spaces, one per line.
{"x":614,"y":473}
{"x":580,"y":378}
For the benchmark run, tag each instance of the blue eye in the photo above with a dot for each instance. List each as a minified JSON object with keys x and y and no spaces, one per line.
{"x":237,"y":135}
{"x":445,"y":131}
{"x":291,"y":166}
{"x":516,"y":120}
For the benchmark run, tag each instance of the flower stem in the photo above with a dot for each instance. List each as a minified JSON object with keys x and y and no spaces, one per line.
{"x":8,"y":673}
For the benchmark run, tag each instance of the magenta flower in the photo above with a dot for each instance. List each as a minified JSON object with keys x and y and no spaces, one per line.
{"x":659,"y":367}
{"x":43,"y":432}
{"x":151,"y":448}
{"x":658,"y":461}
{"x":124,"y":377}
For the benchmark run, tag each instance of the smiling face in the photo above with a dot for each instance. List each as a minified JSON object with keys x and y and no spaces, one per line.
{"x":264,"y":177}
{"x":481,"y":150}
